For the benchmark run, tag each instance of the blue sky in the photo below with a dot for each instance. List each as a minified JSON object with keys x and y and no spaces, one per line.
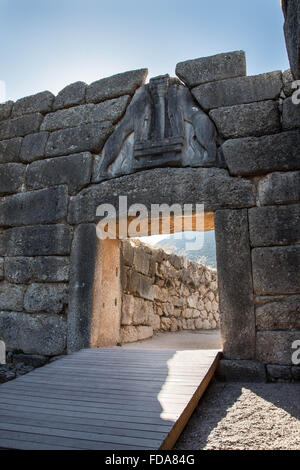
{"x":47,"y":44}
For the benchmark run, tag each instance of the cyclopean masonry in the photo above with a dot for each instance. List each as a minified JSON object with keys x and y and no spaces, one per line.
{"x":215,"y":137}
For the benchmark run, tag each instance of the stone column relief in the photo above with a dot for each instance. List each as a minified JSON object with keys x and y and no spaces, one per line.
{"x":163,"y":126}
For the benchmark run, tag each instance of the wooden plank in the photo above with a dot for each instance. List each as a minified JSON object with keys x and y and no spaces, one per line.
{"x":179,"y":426}
{"x":64,"y":418}
{"x":56,"y":441}
{"x":78,"y":435}
{"x":105,"y":399}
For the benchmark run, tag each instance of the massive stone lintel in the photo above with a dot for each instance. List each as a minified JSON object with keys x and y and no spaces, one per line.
{"x":163,"y":126}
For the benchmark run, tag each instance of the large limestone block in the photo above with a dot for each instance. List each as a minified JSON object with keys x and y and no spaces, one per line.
{"x":210,"y":69}
{"x":260,"y":155}
{"x":71,"y":95}
{"x":278,"y":313}
{"x":212,"y":187}
{"x":49,"y":298}
{"x":290,"y":114}
{"x":42,"y":206}
{"x":81,"y":287}
{"x":21,"y":270}
{"x":11,"y":297}
{"x":128,"y":334}
{"x":274,"y":225}
{"x":11,"y":178}
{"x":279,"y":188}
{"x":33,"y":147}
{"x":41,"y":103}
{"x":239,"y":90}
{"x":144,"y":332}
{"x":5,"y":110}
{"x":33,"y":334}
{"x":85,"y":138}
{"x":275,"y":347}
{"x":235,"y":284}
{"x":117,"y":85}
{"x":73,"y":170}
{"x":254,"y":119}
{"x":10,"y":150}
{"x":241,"y":371}
{"x":38,"y":240}
{"x":110,"y":110}
{"x":276,"y":270}
{"x":21,"y":126}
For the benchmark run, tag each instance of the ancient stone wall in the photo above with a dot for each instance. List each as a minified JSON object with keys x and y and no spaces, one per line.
{"x":165,"y":292}
{"x":216,"y":137}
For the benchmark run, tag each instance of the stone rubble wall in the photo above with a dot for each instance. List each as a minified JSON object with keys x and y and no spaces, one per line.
{"x":165,"y":292}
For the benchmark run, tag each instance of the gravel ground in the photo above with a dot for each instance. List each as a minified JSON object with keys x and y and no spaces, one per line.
{"x":240,"y":416}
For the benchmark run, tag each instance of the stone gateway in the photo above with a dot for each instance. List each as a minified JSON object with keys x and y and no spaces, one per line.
{"x":212,"y":136}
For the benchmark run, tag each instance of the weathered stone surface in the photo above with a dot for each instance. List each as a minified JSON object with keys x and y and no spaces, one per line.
{"x":275,"y":347}
{"x":82,"y":267}
{"x":88,"y":137}
{"x":213,"y":187}
{"x":49,"y":298}
{"x":71,"y":95}
{"x":290,"y":114}
{"x":10,"y":150}
{"x":73,"y":170}
{"x":21,"y":126}
{"x":141,"y":285}
{"x":33,"y":334}
{"x":11,"y":179}
{"x":110,"y":110}
{"x":275,"y":225}
{"x":210,"y":69}
{"x":144,"y":332}
{"x":276,"y":270}
{"x":42,"y":206}
{"x":145,"y":138}
{"x":141,"y":260}
{"x":127,"y":253}
{"x":254,"y":119}
{"x":279,"y":188}
{"x":241,"y":371}
{"x":128,"y":334}
{"x":279,"y":373}
{"x":11,"y":297}
{"x":296,"y":373}
{"x":278,"y":313}
{"x":34,"y":360}
{"x":37,"y":240}
{"x":5,"y":110}
{"x":239,"y":90}
{"x":33,"y":146}
{"x":39,"y":103}
{"x":255,"y":156}
{"x":1,"y":269}
{"x":236,"y":304}
{"x":2,"y":352}
{"x":291,"y":10}
{"x":39,"y":269}
{"x":117,"y":85}
{"x":288,"y":80}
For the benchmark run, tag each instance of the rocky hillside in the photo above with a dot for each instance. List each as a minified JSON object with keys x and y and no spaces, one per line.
{"x":205,"y":255}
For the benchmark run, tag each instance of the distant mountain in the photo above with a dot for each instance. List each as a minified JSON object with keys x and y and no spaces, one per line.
{"x":206,"y":254}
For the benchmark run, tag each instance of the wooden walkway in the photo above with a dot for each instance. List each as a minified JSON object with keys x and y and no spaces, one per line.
{"x":113,"y":399}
